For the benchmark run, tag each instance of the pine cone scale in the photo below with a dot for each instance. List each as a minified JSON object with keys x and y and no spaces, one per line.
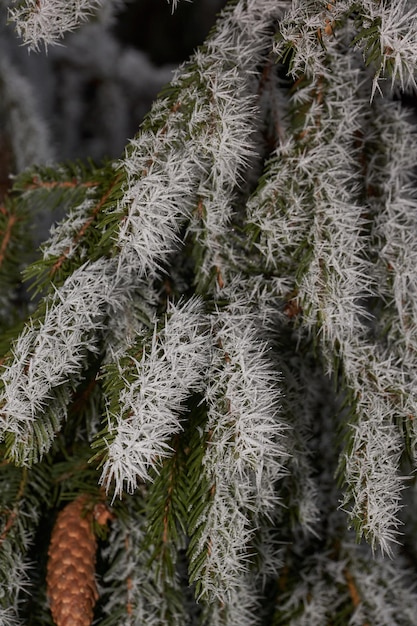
{"x":72,"y":589}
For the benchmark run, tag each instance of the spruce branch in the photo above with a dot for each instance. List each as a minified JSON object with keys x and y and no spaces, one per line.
{"x":197,"y":131}
{"x":146,"y":390}
{"x":261,"y":221}
{"x":142,"y":596}
{"x":140,"y":242}
{"x":20,"y":510}
{"x":85,"y":193}
{"x":48,"y":359}
{"x":376,"y":581}
{"x":388,"y":38}
{"x":391,"y":198}
{"x":46,"y":21}
{"x":333,"y":282}
{"x":242,"y":607}
{"x":331,"y":293}
{"x":244,"y":458}
{"x":384,"y":32}
{"x":336,"y":586}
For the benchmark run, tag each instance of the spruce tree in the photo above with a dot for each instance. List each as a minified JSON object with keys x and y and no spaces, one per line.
{"x":208,"y":375}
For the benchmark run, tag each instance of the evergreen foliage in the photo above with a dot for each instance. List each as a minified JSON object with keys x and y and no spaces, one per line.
{"x":221,"y":337}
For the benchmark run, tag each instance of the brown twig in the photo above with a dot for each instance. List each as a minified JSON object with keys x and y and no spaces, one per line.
{"x":84,"y":227}
{"x":14,"y":512}
{"x":167,"y":507}
{"x":65,"y":184}
{"x":8,"y":525}
{"x":353,"y":591}
{"x":12,"y":219}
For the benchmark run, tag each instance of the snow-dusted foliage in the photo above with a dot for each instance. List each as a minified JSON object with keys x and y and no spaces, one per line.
{"x":145,"y":414}
{"x":222,"y":343}
{"x":47,"y":21}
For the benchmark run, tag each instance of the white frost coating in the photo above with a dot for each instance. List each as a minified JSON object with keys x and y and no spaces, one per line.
{"x":150,"y":599}
{"x":241,"y":609}
{"x":227,"y":154}
{"x":395,"y":231}
{"x":157,"y":203}
{"x":388,"y":589}
{"x":49,"y":355}
{"x":8,"y":617}
{"x":396,"y":23}
{"x":318,"y":593}
{"x":171,"y":367}
{"x":246,"y":429}
{"x":47,"y":21}
{"x":392,"y":29}
{"x":371,"y":472}
{"x":63,"y":236}
{"x":331,"y":291}
{"x":174,"y":4}
{"x":167,"y":170}
{"x":245,"y":452}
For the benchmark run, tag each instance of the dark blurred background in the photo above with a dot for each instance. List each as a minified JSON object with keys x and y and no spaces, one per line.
{"x":166,"y":36}
{"x":86,"y":97}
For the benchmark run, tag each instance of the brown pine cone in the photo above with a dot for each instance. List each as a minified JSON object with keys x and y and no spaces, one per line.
{"x":71,"y":584}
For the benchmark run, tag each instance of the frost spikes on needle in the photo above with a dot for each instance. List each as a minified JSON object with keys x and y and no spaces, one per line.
{"x":47,"y":21}
{"x":199,"y":132}
{"x":147,"y":389}
{"x":244,"y":458}
{"x":49,"y":357}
